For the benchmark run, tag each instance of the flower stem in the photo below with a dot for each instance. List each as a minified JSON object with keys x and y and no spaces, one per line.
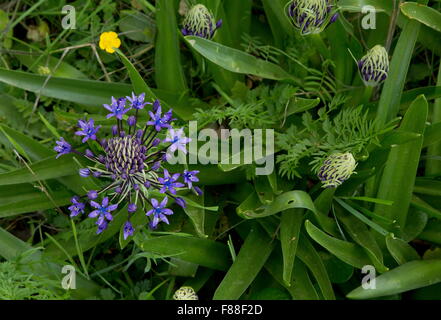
{"x":320,"y":45}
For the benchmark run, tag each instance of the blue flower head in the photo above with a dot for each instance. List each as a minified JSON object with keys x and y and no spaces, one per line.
{"x":159,"y":121}
{"x":159,"y":211}
{"x":62,"y":147}
{"x":117,"y":108}
{"x":190,"y":177}
{"x":169,"y":182}
{"x":77,"y":207}
{"x":130,"y":162}
{"x":177,"y":139}
{"x":137,"y":102}
{"x":88,"y":130}
{"x":128,"y":230}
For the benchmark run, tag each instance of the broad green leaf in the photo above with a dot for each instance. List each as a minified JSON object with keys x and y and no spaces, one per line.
{"x":207,"y":253}
{"x":196,"y":214}
{"x":424,"y":14}
{"x":425,"y":207}
{"x":238,"y":16}
{"x":95,"y":93}
{"x":393,"y":87}
{"x":400,"y":250}
{"x":85,"y":92}
{"x":49,"y":168}
{"x":338,"y":271}
{"x":398,"y":137}
{"x":223,"y":36}
{"x":138,"y":83}
{"x":323,"y":204}
{"x":31,"y":199}
{"x":250,"y":260}
{"x":415,"y":224}
{"x":432,"y":135}
{"x":357,"y":5}
{"x":427,"y":186}
{"x":181,"y":268}
{"x":288,"y":200}
{"x":200,"y":279}
{"x":64,"y":69}
{"x":298,"y":105}
{"x":359,"y":232}
{"x":398,"y":179}
{"x":290,"y":224}
{"x":303,"y":289}
{"x":277,"y":19}
{"x":263,"y":189}
{"x":348,"y":252}
{"x":137,"y":26}
{"x":238,"y":61}
{"x":409,"y":276}
{"x":168,"y":69}
{"x":33,"y":149}
{"x":432,"y":232}
{"x":310,"y":257}
{"x":409,"y":96}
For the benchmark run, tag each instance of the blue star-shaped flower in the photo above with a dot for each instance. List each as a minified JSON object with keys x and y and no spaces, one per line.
{"x":177,"y":140}
{"x":77,"y":207}
{"x":169,"y":182}
{"x":62,"y":147}
{"x":128,"y":230}
{"x":159,"y":121}
{"x":117,"y":108}
{"x":102,"y":212}
{"x":190,"y":177}
{"x":159,"y":212}
{"x":137,"y":102}
{"x":88,"y":130}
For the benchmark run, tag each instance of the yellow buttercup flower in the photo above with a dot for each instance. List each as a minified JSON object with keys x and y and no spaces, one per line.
{"x":109,"y":41}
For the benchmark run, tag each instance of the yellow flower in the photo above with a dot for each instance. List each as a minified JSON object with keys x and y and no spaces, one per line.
{"x":109,"y":41}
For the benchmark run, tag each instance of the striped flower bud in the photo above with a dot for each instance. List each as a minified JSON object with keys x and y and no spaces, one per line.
{"x":200,"y":22}
{"x":311,"y":16}
{"x":185,"y":293}
{"x":374,"y":66}
{"x":336,"y":169}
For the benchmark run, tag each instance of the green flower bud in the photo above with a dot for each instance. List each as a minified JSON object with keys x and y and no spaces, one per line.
{"x":374,"y":66}
{"x":200,"y":22}
{"x":185,"y":293}
{"x":336,"y":169}
{"x":311,"y":16}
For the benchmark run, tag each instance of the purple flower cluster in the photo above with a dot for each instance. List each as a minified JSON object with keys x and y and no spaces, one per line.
{"x":130,"y":161}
